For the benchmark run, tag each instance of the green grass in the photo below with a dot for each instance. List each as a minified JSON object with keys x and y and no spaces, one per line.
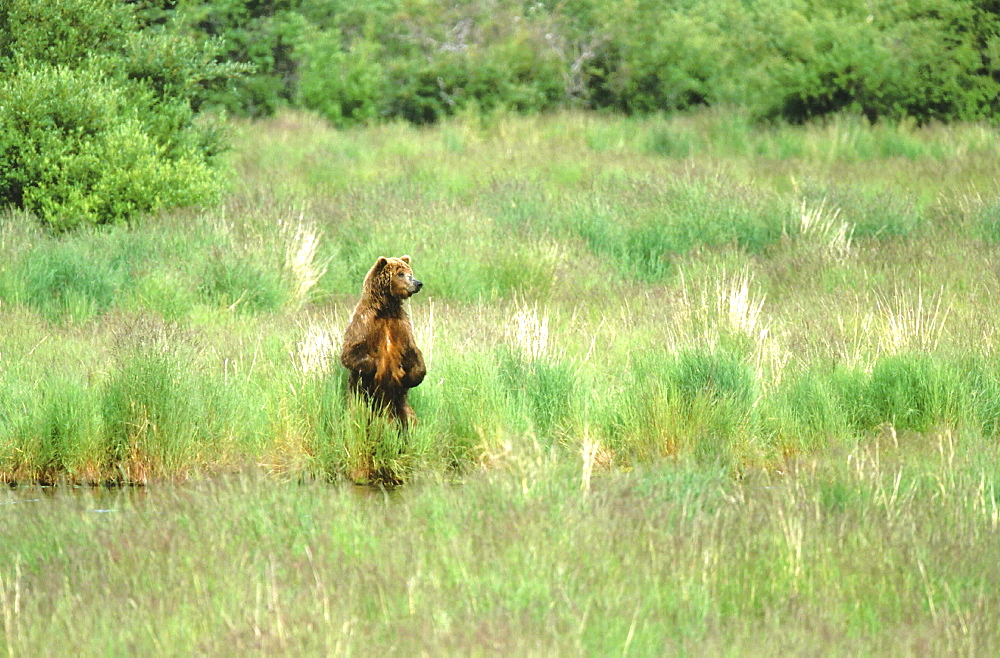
{"x":887,"y":548}
{"x":762,"y":293}
{"x":693,"y":386}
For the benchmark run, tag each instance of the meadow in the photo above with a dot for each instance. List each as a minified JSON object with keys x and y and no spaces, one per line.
{"x":693,"y":384}
{"x":693,"y":288}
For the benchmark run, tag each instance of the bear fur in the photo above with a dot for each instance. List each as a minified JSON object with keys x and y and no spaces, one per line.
{"x":379,"y":351}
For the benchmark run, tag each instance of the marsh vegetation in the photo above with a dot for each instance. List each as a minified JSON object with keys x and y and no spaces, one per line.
{"x":639,"y":290}
{"x":705,"y":384}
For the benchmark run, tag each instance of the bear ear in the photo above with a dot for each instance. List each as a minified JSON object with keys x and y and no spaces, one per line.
{"x":405,"y":259}
{"x":380,"y":263}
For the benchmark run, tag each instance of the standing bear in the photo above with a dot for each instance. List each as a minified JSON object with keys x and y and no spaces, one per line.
{"x":379,"y":350}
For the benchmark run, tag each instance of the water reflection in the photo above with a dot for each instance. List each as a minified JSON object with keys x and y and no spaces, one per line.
{"x":378,"y":492}
{"x":96,"y":500}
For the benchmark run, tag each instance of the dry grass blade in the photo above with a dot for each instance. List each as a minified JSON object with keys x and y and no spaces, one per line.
{"x":303,"y":238}
{"x":912,"y":324}
{"x":833,"y":235}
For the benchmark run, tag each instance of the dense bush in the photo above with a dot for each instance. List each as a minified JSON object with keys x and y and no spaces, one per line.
{"x":794,"y":59}
{"x":97,"y":117}
{"x":344,"y":86}
{"x":890,"y":59}
{"x":258,"y":34}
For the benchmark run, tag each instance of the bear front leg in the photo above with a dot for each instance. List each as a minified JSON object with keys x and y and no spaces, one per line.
{"x":389,"y":375}
{"x":414,"y":368}
{"x":389,"y":372}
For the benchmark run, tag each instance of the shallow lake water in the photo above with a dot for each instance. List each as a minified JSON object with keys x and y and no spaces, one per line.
{"x":109,"y":499}
{"x":97,"y":500}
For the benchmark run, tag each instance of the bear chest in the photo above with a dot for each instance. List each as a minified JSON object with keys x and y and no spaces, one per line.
{"x":389,"y":336}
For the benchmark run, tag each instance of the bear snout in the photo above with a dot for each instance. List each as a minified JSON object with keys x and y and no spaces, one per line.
{"x":417,"y":285}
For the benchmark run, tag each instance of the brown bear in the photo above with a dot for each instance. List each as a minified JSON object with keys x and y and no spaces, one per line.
{"x":379,"y":350}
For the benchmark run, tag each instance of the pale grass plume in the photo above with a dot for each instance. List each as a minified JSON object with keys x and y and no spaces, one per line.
{"x":737,"y":307}
{"x":728,"y":308}
{"x":743,"y":313}
{"x":302,"y":238}
{"x":824,"y":227}
{"x":850,"y":336}
{"x":528,"y":331}
{"x":911,"y":323}
{"x":316,"y":353}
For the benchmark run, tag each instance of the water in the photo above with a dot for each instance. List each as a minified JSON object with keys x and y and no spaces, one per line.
{"x":93,"y":500}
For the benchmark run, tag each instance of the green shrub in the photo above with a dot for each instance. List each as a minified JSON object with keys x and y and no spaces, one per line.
{"x":887,"y":60}
{"x":346,"y":87}
{"x":61,"y":32}
{"x":794,"y":59}
{"x":478,"y":57}
{"x":658,"y":58}
{"x":73,"y":166}
{"x":260,"y":37}
{"x":97,"y":123}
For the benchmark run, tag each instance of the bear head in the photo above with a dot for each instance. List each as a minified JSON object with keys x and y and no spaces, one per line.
{"x":391,"y":278}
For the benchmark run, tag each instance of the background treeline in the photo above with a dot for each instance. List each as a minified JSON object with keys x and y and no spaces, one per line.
{"x":794,"y":59}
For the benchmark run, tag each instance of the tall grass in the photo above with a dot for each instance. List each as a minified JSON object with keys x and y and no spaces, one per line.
{"x":591,"y":289}
{"x":706,"y":387}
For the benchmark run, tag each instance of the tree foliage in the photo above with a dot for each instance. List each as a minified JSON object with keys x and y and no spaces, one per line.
{"x":793,"y":59}
{"x":98,"y":113}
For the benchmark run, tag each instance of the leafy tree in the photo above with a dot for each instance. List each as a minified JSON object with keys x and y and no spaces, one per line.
{"x":889,"y":59}
{"x":98,"y":117}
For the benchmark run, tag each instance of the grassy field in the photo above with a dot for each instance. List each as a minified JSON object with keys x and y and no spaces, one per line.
{"x":705,"y":386}
{"x":691,"y":288}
